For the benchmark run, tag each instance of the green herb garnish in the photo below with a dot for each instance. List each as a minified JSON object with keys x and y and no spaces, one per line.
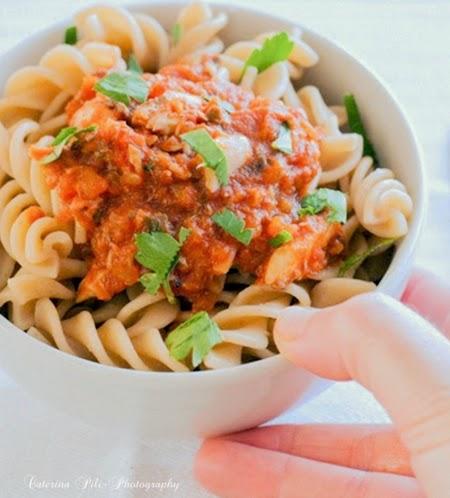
{"x":71,"y":35}
{"x":183,"y":235}
{"x":202,"y":143}
{"x":159,"y":252}
{"x":356,"y":125}
{"x":62,"y":139}
{"x":233,"y":225}
{"x":354,"y":261}
{"x":325,"y":198}
{"x":133,"y":65}
{"x":274,"y":49}
{"x":123,"y":86}
{"x":281,"y":239}
{"x":198,"y":335}
{"x":284,"y":141}
{"x":176,"y":33}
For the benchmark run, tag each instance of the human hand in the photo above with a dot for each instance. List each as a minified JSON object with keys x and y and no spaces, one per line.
{"x":394,"y":353}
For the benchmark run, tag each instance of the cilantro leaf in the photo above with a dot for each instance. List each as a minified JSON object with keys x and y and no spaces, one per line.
{"x":202,"y":143}
{"x":198,"y":336}
{"x":284,"y":141}
{"x":62,"y":139}
{"x":151,"y":282}
{"x":325,"y":198}
{"x":356,"y":125}
{"x":183,"y":235}
{"x":280,"y":239}
{"x":71,"y":35}
{"x":176,"y":33}
{"x":356,"y":260}
{"x":133,"y":65}
{"x":159,"y":251}
{"x":123,"y":86}
{"x":274,"y":49}
{"x":233,"y":225}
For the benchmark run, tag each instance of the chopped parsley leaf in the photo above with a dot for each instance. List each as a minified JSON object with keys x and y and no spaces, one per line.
{"x":176,"y":33}
{"x":274,"y":49}
{"x":354,"y":261}
{"x":196,"y":336}
{"x":133,"y":65}
{"x":356,"y":125}
{"x":325,"y":198}
{"x":233,"y":225}
{"x":123,"y":86}
{"x":159,"y":252}
{"x":62,"y":139}
{"x":280,"y":239}
{"x":202,"y":143}
{"x":71,"y":35}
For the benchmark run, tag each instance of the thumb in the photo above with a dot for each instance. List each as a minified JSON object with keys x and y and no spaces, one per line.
{"x":394,"y":353}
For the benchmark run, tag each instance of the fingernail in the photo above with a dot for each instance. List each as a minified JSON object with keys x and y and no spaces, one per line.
{"x":290,"y":325}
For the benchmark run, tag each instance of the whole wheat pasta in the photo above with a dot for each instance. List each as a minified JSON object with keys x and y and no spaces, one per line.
{"x":164,"y":198}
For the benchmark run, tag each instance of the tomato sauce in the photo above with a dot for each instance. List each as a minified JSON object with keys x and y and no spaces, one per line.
{"x":135,"y":173}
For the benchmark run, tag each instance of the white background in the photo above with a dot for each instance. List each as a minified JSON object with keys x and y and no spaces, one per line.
{"x":408,"y":44}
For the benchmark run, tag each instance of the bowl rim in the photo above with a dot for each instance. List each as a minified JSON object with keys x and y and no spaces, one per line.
{"x":408,"y":244}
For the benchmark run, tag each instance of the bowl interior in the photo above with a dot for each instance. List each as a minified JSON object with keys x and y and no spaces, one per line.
{"x":336,"y":73}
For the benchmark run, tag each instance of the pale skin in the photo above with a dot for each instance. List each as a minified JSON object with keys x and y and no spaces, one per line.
{"x":402,"y":358}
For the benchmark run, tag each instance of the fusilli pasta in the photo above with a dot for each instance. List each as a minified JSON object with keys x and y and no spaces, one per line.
{"x":40,"y":253}
{"x":381,"y":202}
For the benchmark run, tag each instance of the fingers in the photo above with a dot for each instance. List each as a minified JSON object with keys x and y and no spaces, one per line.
{"x":365,"y":447}
{"x":393,"y":352}
{"x":234,"y":470}
{"x":429,"y":295}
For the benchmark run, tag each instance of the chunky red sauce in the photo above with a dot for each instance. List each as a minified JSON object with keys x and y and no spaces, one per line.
{"x":135,"y":173}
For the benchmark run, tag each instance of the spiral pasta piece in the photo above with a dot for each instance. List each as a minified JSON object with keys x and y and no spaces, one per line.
{"x":7,"y":263}
{"x":381,"y":202}
{"x":146,"y":310}
{"x":28,"y":232}
{"x":37,"y":242}
{"x":339,"y":152}
{"x":24,"y":289}
{"x":139,"y":34}
{"x":248,"y":320}
{"x":15,"y":162}
{"x":110,"y":344}
{"x":198,"y":31}
{"x":337,"y":290}
{"x":40,"y":92}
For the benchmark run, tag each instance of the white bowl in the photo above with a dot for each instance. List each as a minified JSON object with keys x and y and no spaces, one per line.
{"x":149,"y":404}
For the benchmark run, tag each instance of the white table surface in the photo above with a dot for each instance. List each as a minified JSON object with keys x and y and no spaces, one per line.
{"x":408,"y":43}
